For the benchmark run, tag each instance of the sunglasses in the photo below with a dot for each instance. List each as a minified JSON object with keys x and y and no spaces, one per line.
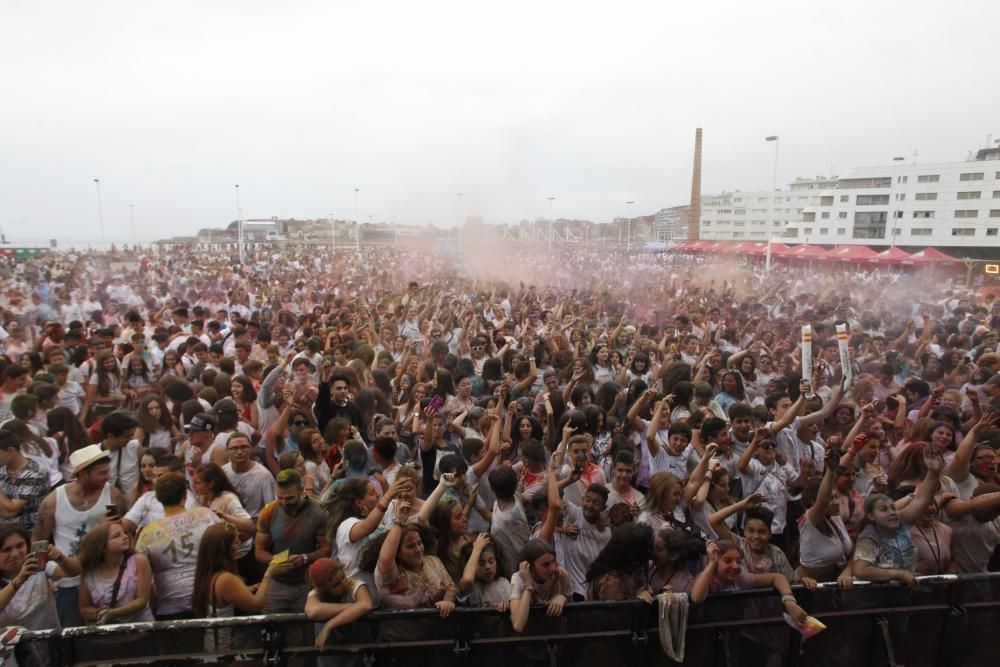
{"x":477,"y":348}
{"x":299,"y":422}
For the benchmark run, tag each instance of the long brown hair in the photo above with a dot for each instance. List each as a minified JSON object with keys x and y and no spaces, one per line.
{"x":215,"y":554}
{"x":25,"y":435}
{"x":94,"y":546}
{"x":103,"y":381}
{"x":146,"y":421}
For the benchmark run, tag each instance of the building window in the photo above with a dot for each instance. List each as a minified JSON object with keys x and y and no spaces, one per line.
{"x":776,"y":224}
{"x":858,"y":183}
{"x":826,"y":201}
{"x":869,"y":225}
{"x":842,"y":215}
{"x":996,"y":194}
{"x":991,"y":231}
{"x":971,"y":176}
{"x":963,"y":231}
{"x":967,"y":213}
{"x":738,"y":200}
{"x":739,"y":223}
{"x":901,"y":179}
{"x":920,"y":231}
{"x":845,"y":198}
{"x":807,"y":231}
{"x":824,"y":231}
{"x":706,"y":223}
{"x":792,"y":232}
{"x":808,"y":217}
{"x":872,"y":200}
{"x":739,"y":211}
{"x":928,"y":178}
{"x":841,"y":231}
{"x":824,"y":215}
{"x":926,"y":196}
{"x":923,"y":214}
{"x":969,"y":195}
{"x":995,"y":212}
{"x":738,"y":235}
{"x":901,"y":197}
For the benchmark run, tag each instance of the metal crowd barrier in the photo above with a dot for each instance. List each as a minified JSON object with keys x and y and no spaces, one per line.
{"x":947,"y":620}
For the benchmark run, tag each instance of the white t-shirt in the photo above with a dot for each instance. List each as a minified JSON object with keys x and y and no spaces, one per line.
{"x":255,"y":487}
{"x":349,"y":553}
{"x":125,"y":466}
{"x":171,"y":544}
{"x":148,"y":509}
{"x":511,"y":531}
{"x":772,"y":483}
{"x":576,"y":553}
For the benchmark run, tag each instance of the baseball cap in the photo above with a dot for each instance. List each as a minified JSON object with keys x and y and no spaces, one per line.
{"x":200,"y":422}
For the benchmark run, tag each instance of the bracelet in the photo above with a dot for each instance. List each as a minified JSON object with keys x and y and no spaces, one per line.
{"x":788,"y":598}
{"x":382,"y":509}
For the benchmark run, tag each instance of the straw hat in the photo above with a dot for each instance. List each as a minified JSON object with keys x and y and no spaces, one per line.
{"x":86,"y":456}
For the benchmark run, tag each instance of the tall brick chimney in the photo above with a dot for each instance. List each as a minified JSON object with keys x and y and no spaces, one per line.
{"x":694,"y":209}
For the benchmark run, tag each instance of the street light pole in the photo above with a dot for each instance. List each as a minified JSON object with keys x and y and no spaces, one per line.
{"x":239,"y":222}
{"x":551,"y":199}
{"x":357,"y":222}
{"x":628,"y":235}
{"x":100,"y":207}
{"x":131,"y":213}
{"x":774,"y":188}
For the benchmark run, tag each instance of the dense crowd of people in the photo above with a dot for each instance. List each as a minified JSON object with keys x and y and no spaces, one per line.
{"x":185,"y":437}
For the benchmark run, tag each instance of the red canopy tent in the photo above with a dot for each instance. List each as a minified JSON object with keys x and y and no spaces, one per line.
{"x":697,"y":246}
{"x":891,"y":256}
{"x":930,"y":256}
{"x":757,"y":249}
{"x":849,"y":253}
{"x":778,"y":250}
{"x":678,"y":247}
{"x":806,"y":251}
{"x":735,"y":248}
{"x":716,"y":247}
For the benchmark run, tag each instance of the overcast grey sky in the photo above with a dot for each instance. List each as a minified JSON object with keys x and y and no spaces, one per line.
{"x":595,"y":103}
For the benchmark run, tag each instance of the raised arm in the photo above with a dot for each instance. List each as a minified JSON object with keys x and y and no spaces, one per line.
{"x":793,"y":410}
{"x":548,"y":528}
{"x":703,"y":582}
{"x":633,"y":413}
{"x":653,"y":428}
{"x":817,"y":513}
{"x":480,"y":467}
{"x":446,"y":482}
{"x":960,"y":465}
{"x":718,"y":520}
{"x":987,"y":503}
{"x":698,"y":474}
{"x":743,"y":464}
{"x":925,"y":490}
{"x":827,"y":410}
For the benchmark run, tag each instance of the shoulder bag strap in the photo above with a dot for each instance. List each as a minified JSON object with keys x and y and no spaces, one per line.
{"x":118,"y":582}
